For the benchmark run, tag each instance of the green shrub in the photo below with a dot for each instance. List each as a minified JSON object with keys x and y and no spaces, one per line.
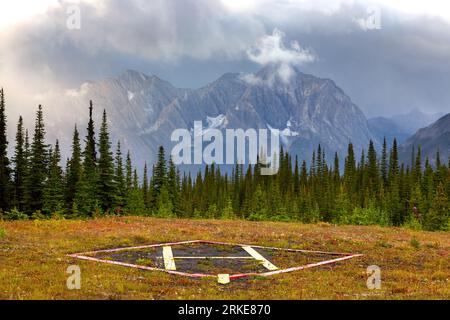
{"x":2,"y":233}
{"x":281,"y":218}
{"x":15,"y":214}
{"x":256,"y":217}
{"x":415,"y":243}
{"x":38,"y":215}
{"x":57,"y":215}
{"x":365,"y":217}
{"x":212,"y":212}
{"x":413,"y":224}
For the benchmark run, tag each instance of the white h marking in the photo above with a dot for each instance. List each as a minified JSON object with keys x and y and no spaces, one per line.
{"x":266,"y":263}
{"x":169,"y":262}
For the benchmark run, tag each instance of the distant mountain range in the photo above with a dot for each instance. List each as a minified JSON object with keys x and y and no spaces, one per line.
{"x":430,"y":139}
{"x":401,"y":126}
{"x":144,"y":110}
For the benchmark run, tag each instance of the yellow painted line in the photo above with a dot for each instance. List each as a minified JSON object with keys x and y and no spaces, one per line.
{"x":200,"y":258}
{"x":255,"y":254}
{"x":169,"y":262}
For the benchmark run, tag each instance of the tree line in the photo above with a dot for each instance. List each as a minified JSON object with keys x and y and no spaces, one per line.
{"x":370,"y":191}
{"x":375,"y":189}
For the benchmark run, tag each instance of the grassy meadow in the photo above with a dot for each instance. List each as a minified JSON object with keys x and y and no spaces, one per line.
{"x":33,"y":260}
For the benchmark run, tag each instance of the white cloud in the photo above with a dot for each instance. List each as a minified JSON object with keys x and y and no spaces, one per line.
{"x":270,"y":49}
{"x":251,"y":79}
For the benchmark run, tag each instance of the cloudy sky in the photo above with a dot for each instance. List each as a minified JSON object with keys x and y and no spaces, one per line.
{"x":389,"y":56}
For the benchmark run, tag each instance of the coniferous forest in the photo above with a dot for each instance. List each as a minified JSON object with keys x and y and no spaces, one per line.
{"x":100,"y":179}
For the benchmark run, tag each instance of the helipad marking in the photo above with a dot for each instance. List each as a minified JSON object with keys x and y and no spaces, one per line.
{"x":255,"y":254}
{"x":169,"y":262}
{"x":89,"y":257}
{"x":199,"y":258}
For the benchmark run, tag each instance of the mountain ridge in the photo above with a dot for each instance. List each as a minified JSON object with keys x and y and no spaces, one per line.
{"x":143,"y":110}
{"x":430,"y":139}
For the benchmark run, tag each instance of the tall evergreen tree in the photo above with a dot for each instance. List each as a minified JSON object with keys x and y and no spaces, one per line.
{"x":129,"y":173}
{"x":160,"y":173}
{"x":38,"y":165}
{"x":145,"y":190}
{"x":173,"y":187}
{"x":86,"y":196}
{"x":134,"y":201}
{"x":372,"y":169}
{"x":393,"y":161}
{"x":107,"y":186}
{"x":120,"y":179}
{"x":73,"y":170}
{"x":53,"y":195}
{"x":350,"y":169}
{"x":90,"y":152}
{"x":438,"y":218}
{"x":5,"y":169}
{"x":20,"y":167}
{"x":384,"y":162}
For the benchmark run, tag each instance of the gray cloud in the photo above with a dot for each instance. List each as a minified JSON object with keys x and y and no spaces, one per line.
{"x":404,"y":65}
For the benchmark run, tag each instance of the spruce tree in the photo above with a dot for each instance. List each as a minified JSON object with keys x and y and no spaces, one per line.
{"x":417,"y":171}
{"x":384,"y":163}
{"x":438,"y":216}
{"x":372,"y":169}
{"x":160,"y":173}
{"x":107,"y":186}
{"x":393,"y":162}
{"x":5,"y":170}
{"x":227,"y":212}
{"x":120,"y":180}
{"x":350,"y":171}
{"x":20,"y":167}
{"x":145,"y":191}
{"x":53,"y":201}
{"x":86,"y":197}
{"x":90,"y":156}
{"x":173,"y":186}
{"x":129,"y":173}
{"x":38,"y":166}
{"x":90,"y":152}
{"x":73,"y":170}
{"x":336,"y":172}
{"x":296,"y":177}
{"x":135,"y":201}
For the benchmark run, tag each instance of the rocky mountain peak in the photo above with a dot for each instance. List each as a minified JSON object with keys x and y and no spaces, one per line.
{"x":145,"y":110}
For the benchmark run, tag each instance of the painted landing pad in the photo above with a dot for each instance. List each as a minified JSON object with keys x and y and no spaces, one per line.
{"x":210,"y":259}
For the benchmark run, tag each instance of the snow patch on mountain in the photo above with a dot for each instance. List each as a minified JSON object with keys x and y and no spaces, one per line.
{"x":284,"y":134}
{"x":215,"y":122}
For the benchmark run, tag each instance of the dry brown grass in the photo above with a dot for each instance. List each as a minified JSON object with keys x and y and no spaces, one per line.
{"x":33,"y":260}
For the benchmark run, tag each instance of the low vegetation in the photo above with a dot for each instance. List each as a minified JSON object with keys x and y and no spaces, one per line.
{"x":33,"y":254}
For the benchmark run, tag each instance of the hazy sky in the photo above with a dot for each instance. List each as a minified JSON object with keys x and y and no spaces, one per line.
{"x":388,"y":56}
